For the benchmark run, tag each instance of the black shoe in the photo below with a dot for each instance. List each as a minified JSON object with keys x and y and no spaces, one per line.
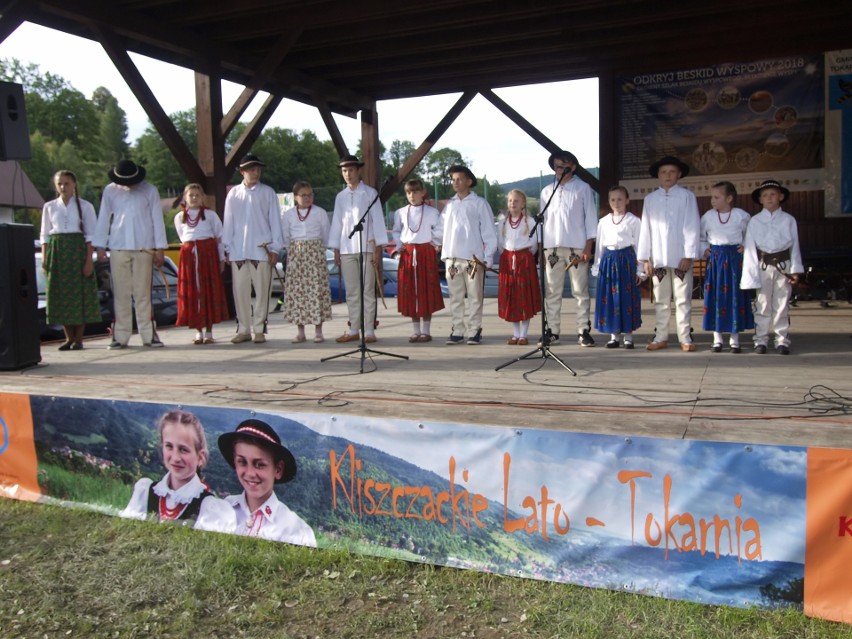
{"x":77,"y":346}
{"x":613,"y":343}
{"x":154,"y":343}
{"x":783,"y":350}
{"x":475,"y":339}
{"x":584,"y":339}
{"x":716,"y":348}
{"x":115,"y":345}
{"x":552,"y":338}
{"x":628,"y":345}
{"x":454,"y":339}
{"x":66,"y":346}
{"x":760,"y":349}
{"x":736,"y":349}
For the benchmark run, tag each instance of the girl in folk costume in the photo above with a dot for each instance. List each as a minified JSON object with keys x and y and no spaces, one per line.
{"x":67,"y":226}
{"x":518,"y":292}
{"x":255,"y":452}
{"x":181,"y":495}
{"x":418,"y":230}
{"x":618,"y":301}
{"x":307,"y":297}
{"x":201,"y":294}
{"x":727,"y":308}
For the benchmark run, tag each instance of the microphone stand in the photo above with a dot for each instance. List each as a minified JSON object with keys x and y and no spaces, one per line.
{"x":362,"y":346}
{"x":543,"y":350}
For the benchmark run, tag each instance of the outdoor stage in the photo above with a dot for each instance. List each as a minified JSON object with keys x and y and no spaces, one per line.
{"x":804,"y":399}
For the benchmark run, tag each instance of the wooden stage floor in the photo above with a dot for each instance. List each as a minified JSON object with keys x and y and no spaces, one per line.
{"x":804,"y":399}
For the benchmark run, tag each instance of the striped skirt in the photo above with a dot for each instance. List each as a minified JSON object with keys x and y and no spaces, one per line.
{"x":518,"y":289}
{"x":419,"y":287}
{"x":727,"y":308}
{"x":307,"y":296}
{"x":71,"y":298}
{"x":618,"y":305}
{"x":201,"y":294}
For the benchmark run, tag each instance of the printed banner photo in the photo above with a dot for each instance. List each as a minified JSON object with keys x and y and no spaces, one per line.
{"x":838,"y":133}
{"x":718,"y":523}
{"x":739,"y":121}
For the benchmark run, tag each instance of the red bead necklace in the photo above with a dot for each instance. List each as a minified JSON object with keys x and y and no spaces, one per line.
{"x":187,"y":218}
{"x":719,"y":215}
{"x":408,"y":218}
{"x":170,"y":513}
{"x":304,"y":217}
{"x":513,"y":224}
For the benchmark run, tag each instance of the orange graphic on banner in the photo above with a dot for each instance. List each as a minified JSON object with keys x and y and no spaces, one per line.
{"x":18,"y":463}
{"x":828,"y":549}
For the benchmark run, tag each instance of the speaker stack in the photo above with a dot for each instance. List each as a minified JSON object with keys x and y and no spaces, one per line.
{"x":14,"y":132}
{"x":20,"y":344}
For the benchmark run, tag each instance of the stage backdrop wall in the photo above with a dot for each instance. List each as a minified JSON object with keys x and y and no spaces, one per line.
{"x":718,"y":523}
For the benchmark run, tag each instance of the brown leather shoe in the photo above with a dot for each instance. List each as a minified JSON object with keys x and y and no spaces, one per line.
{"x":657,"y":346}
{"x":370,"y":339}
{"x":688,"y":348}
{"x":425,"y":338}
{"x":348,"y":337}
{"x":523,"y":341}
{"x":512,"y":341}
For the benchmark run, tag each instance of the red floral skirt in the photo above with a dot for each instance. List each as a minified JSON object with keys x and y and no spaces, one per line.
{"x":201,"y":294}
{"x":519,"y":293}
{"x":419,"y":288}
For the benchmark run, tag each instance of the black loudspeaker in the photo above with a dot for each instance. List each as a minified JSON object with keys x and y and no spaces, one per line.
{"x":14,"y":132}
{"x":20,"y":344}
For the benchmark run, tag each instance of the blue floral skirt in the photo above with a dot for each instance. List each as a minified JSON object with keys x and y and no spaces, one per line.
{"x":618,"y":307}
{"x":727,"y":308}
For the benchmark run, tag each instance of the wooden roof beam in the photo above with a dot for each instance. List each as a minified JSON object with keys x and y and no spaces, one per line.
{"x":262,"y":75}
{"x":252,"y":132}
{"x":427,"y":144}
{"x":159,"y":118}
{"x":535,"y":134}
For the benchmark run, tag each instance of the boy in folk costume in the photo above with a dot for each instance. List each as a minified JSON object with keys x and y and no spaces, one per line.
{"x":349,"y":206}
{"x":668,"y":244}
{"x":570,"y":224}
{"x":251,"y":237}
{"x":772,"y":262}
{"x":418,"y":230}
{"x":467,"y":250}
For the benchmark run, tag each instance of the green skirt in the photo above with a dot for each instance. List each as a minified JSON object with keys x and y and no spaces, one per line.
{"x":71,"y":298}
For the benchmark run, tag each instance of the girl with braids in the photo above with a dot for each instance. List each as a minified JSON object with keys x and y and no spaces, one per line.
{"x":67,"y":227}
{"x":181,"y":495}
{"x":201,"y":295}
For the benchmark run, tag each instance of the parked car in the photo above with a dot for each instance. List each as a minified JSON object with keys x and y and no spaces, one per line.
{"x":163,"y":299}
{"x":390,"y":268}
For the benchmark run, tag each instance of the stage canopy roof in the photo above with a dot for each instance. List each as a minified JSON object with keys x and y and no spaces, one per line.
{"x":350,"y":54}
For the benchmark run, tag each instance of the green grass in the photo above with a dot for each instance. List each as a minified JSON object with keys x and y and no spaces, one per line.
{"x":69,"y":485}
{"x":68,"y":572}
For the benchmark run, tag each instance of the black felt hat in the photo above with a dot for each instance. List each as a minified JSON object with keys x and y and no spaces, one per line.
{"x":458,"y":168}
{"x":766,"y":184}
{"x":261,"y":433}
{"x":669,"y":159}
{"x":126,"y":173}
{"x":250,"y":160}
{"x":562,"y":155}
{"x":348,"y":160}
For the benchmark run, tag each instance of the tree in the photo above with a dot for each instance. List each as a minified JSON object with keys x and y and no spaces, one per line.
{"x":150,"y":151}
{"x":434,"y":168}
{"x":113,"y":127}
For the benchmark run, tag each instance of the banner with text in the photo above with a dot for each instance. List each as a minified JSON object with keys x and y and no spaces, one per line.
{"x":740,"y":121}
{"x":838,"y":133}
{"x":719,"y":523}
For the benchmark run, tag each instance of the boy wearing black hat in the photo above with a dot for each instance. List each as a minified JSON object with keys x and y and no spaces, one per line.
{"x":251,"y":236}
{"x":349,"y":206}
{"x":469,"y":243}
{"x":668,"y":243}
{"x":255,"y":452}
{"x":570,"y":228}
{"x":130,"y":224}
{"x":772,"y":262}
